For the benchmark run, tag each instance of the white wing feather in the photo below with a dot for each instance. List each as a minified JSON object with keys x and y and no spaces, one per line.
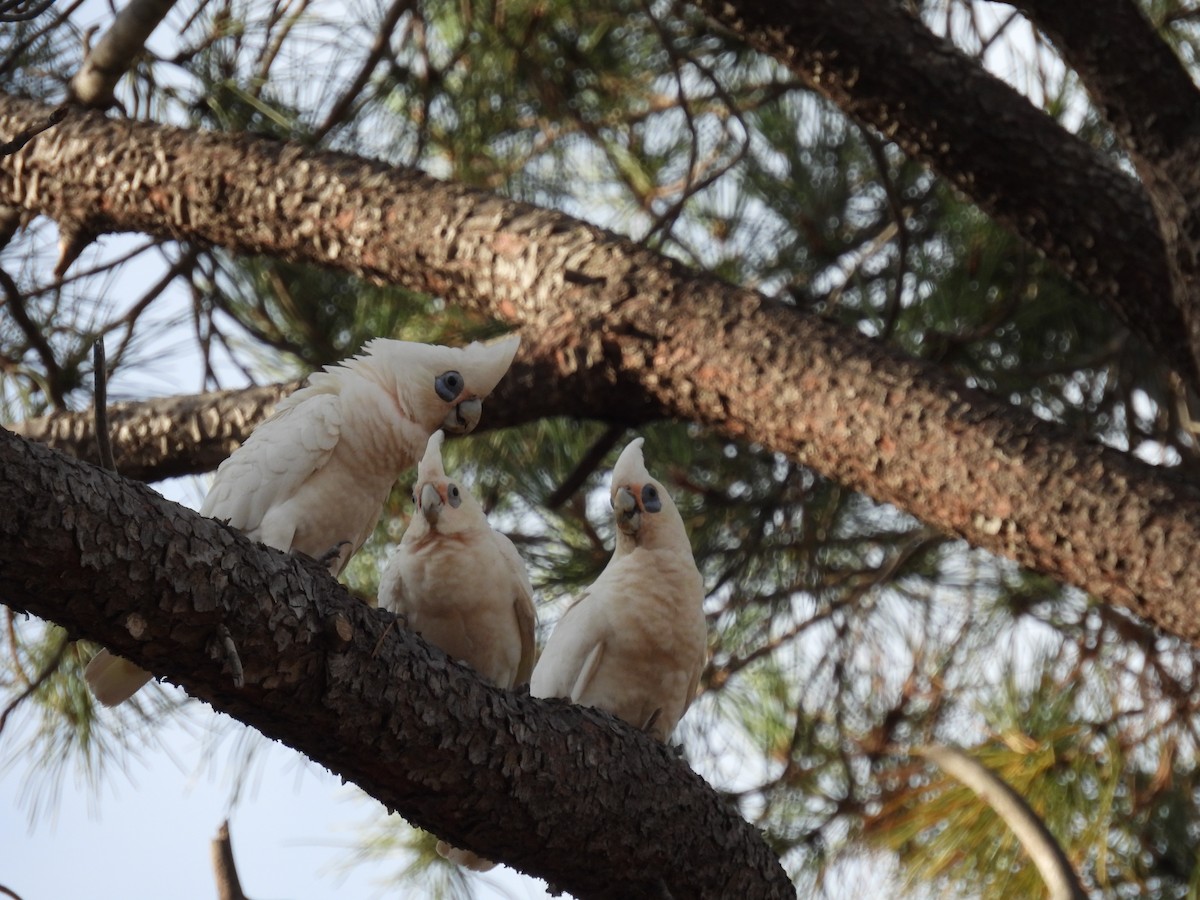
{"x":278,"y":457}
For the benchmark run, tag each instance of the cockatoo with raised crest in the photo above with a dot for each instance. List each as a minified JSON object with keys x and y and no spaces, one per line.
{"x":314,"y":476}
{"x":463,"y":587}
{"x":635,"y":642}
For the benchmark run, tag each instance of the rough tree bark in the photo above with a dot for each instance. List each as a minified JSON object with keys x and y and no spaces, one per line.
{"x":191,"y":434}
{"x":570,"y":795}
{"x":899,"y":430}
{"x":882,"y":66}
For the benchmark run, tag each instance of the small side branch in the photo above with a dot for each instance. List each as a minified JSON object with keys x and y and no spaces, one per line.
{"x":100,"y":403}
{"x":228,"y":885}
{"x":591,"y":460}
{"x":31,"y":687}
{"x":1062,"y":883}
{"x":28,"y":134}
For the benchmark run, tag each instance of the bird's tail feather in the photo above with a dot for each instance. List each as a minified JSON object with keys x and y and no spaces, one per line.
{"x":114,"y":680}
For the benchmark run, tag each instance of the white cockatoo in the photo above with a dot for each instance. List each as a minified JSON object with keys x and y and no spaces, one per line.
{"x":314,"y":476}
{"x":635,"y":642}
{"x":463,"y":587}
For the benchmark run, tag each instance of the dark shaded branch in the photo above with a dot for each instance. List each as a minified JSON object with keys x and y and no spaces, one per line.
{"x":14,"y":302}
{"x":586,"y":466}
{"x":100,"y":406}
{"x":351,"y":95}
{"x":563,"y":793}
{"x":882,"y":66}
{"x":622,"y":324}
{"x":1154,"y":107}
{"x":23,"y":137}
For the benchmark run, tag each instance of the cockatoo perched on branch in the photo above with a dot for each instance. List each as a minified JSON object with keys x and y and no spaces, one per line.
{"x":463,"y":587}
{"x":315,"y":475}
{"x":635,"y":642}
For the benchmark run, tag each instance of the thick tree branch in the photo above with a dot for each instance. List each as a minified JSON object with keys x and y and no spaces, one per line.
{"x":1154,"y":107}
{"x":193,"y":433}
{"x":882,"y":66}
{"x":563,"y":793}
{"x":686,"y":343}
{"x":164,"y":437}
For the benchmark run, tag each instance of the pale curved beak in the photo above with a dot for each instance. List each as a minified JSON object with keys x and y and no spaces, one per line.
{"x":463,"y":418}
{"x":431,"y":503}
{"x":629,"y":516}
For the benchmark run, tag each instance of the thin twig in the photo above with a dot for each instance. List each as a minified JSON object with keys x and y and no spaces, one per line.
{"x":24,"y":137}
{"x":585,"y":466}
{"x":51,"y":668}
{"x":100,"y":404}
{"x":383,"y":36}
{"x":15,"y":302}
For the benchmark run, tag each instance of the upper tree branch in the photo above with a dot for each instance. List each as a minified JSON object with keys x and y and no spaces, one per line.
{"x":882,"y":66}
{"x":562,"y":793}
{"x":697,"y":348}
{"x":193,"y":433}
{"x":112,"y":56}
{"x":1154,"y":107}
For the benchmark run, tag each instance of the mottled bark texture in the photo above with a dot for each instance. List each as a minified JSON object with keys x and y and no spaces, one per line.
{"x":897,"y":429}
{"x":193,"y":433}
{"x":164,"y":437}
{"x":1154,"y":107}
{"x":882,"y":66}
{"x":566,"y":794}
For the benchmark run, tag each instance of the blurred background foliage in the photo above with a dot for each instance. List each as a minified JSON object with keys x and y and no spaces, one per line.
{"x":844,"y":634}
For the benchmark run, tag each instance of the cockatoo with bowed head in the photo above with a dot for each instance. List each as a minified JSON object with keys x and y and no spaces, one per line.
{"x":460,"y":584}
{"x":463,"y":587}
{"x":635,"y":642}
{"x":315,"y":475}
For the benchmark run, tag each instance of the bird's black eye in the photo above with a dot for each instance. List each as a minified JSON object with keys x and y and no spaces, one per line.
{"x":449,"y":385}
{"x":454,"y":495}
{"x":651,"y":502}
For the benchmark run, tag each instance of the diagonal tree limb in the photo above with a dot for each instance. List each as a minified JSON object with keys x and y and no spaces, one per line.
{"x":112,"y":56}
{"x":1065,"y":198}
{"x":560,"y":792}
{"x":629,"y":319}
{"x":11,"y":146}
{"x":229,"y":886}
{"x":193,"y":433}
{"x":1062,"y":882}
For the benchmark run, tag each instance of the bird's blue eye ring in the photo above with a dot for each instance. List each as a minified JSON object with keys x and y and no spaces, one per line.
{"x":651,"y":502}
{"x":454,"y":495}
{"x":449,"y":385}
